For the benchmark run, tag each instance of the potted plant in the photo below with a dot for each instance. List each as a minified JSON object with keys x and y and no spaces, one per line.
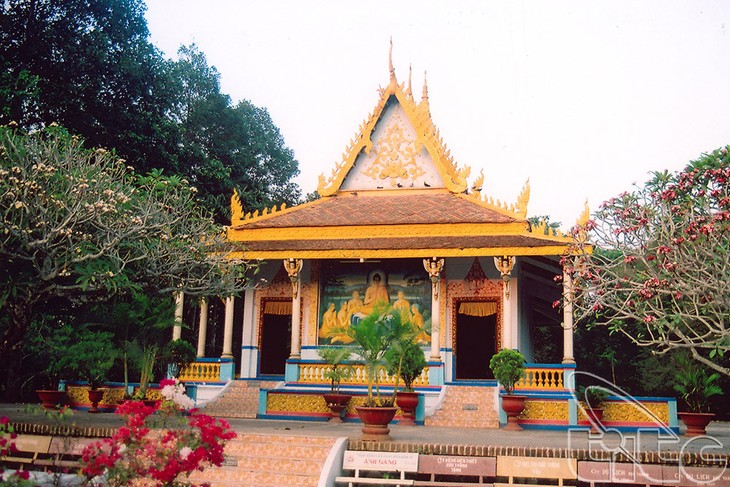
{"x":336,"y":373}
{"x":695,"y":386}
{"x":508,"y":366}
{"x":91,"y":357}
{"x":50,"y":341}
{"x":146,"y":364}
{"x":406,"y":361}
{"x":372,"y":338}
{"x":593,"y":397}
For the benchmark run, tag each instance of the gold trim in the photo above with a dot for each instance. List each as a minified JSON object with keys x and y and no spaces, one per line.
{"x":398,"y":253}
{"x":379,"y":231}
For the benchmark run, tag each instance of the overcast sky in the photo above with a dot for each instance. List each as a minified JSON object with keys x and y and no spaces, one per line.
{"x":583,"y":97}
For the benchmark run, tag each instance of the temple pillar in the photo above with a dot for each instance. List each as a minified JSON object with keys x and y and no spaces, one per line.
{"x":177,"y":328}
{"x":568,"y":318}
{"x":504,"y":265}
{"x":434,"y":267}
{"x":228,"y":329}
{"x":293,"y":268}
{"x":202,"y":327}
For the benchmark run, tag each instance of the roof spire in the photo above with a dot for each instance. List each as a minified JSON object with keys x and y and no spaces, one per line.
{"x":390,"y":61}
{"x":410,"y":73}
{"x":424,"y":96}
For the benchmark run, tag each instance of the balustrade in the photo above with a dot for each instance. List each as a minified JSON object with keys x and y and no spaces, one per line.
{"x":314,"y":374}
{"x":541,"y":378}
{"x":201,"y":372}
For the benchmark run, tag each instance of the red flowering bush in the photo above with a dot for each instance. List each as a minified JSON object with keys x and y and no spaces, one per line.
{"x":158,"y":446}
{"x":7,"y":447}
{"x":657,"y":265}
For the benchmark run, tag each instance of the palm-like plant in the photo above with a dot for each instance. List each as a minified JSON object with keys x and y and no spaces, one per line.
{"x":336,"y":358}
{"x":695,"y":385}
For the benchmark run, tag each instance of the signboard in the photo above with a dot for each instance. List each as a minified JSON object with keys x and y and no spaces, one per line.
{"x":33,"y":443}
{"x":457,"y":465}
{"x":696,"y":476}
{"x":619,"y":473}
{"x":384,"y":461}
{"x":535,"y":467}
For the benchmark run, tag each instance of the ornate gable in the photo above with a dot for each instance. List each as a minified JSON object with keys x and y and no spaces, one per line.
{"x":397,"y":146}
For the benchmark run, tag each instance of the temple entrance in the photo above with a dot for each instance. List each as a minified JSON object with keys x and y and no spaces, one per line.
{"x":476,"y":342}
{"x":275,"y":342}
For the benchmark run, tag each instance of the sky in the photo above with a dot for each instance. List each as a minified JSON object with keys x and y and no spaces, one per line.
{"x":584,"y":98}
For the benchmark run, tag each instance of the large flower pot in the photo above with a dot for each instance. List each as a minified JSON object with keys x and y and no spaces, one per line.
{"x":337,"y":403}
{"x":696,"y":422}
{"x":51,"y":398}
{"x":407,"y":402}
{"x":595,"y":417}
{"x":513,"y":405}
{"x":95,"y":397}
{"x":375,"y":421}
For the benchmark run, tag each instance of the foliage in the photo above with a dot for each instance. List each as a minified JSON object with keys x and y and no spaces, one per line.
{"x":338,"y":371}
{"x":373,"y":336}
{"x":48,"y":341}
{"x":508,"y":366}
{"x":178,"y":353}
{"x":592,"y":395}
{"x":695,"y":385}
{"x":661,"y":262}
{"x":158,"y":444}
{"x":91,"y":356}
{"x":405,"y":359}
{"x":77,"y":225}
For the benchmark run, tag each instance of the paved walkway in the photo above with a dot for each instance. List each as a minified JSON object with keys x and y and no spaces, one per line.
{"x":717,"y":441}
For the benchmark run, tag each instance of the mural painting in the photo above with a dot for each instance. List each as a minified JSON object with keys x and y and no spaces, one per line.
{"x":350,"y":291}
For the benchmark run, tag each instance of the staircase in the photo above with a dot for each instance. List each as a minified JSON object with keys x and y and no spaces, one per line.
{"x":240,"y":400}
{"x":467,"y":407}
{"x":268,"y":461}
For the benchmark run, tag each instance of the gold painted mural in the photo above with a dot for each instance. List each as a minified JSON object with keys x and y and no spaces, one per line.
{"x":557,"y":410}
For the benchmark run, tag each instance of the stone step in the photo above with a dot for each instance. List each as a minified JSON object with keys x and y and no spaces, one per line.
{"x":466,"y":407}
{"x":241,"y":400}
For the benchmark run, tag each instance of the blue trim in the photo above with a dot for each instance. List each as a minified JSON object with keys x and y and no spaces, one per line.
{"x":269,"y":377}
{"x":473,"y":382}
{"x":249,"y":347}
{"x":321,"y":419}
{"x":549,"y":366}
{"x":214,"y":360}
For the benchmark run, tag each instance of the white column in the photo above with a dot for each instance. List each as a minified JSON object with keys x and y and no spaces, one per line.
{"x":568,"y":318}
{"x":293,"y":268}
{"x":434,"y":267}
{"x":202,"y":327}
{"x":507,"y":324}
{"x":228,"y":329}
{"x":177,"y":328}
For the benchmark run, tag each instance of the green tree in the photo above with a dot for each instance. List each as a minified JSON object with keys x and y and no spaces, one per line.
{"x":76,"y":225}
{"x":661,"y":266}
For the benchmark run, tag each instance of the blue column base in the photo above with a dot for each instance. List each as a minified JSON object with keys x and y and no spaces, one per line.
{"x":291,"y":372}
{"x":435,"y":373}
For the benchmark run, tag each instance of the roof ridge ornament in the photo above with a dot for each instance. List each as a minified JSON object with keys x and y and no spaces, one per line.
{"x":391,"y":69}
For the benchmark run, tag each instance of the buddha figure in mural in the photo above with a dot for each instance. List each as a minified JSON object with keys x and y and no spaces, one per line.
{"x":402,"y":303}
{"x":355,"y":304}
{"x":329,"y":321}
{"x":340,"y":334}
{"x":419,"y":325}
{"x":376,"y":293}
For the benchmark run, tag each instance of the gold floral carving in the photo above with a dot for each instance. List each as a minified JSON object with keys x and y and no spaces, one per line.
{"x":295,"y":403}
{"x":395,"y":156}
{"x":626,"y":412}
{"x":310,"y":294}
{"x":80,"y":395}
{"x":557,"y":410}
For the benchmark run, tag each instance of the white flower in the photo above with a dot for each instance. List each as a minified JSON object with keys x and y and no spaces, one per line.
{"x":185,"y":452}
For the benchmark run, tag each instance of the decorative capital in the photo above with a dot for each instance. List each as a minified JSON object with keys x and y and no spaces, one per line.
{"x":434,"y":267}
{"x":504,"y":265}
{"x":293,"y":267}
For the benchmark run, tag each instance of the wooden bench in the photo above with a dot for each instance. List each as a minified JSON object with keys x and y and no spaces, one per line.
{"x":477,"y":468}
{"x":559,"y":469}
{"x":47,"y":451}
{"x":371,"y":461}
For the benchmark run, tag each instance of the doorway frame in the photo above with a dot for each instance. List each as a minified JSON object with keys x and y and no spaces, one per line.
{"x":260,"y":334}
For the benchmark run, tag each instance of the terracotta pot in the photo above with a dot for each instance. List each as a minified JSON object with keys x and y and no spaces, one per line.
{"x":95,"y":397}
{"x":51,"y":398}
{"x":696,"y":422}
{"x":407,"y":402}
{"x":337,"y":403}
{"x":375,"y":421}
{"x":595,"y":417}
{"x":513,"y":405}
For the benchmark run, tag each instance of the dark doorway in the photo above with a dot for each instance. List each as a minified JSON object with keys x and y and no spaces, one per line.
{"x":476,"y":340}
{"x":275,"y":344}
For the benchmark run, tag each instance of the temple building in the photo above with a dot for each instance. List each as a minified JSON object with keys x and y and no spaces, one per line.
{"x":398,"y":221}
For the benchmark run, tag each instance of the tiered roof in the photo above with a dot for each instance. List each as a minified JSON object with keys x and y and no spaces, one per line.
{"x":397,"y":192}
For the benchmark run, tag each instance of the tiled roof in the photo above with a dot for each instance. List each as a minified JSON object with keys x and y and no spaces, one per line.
{"x":351,"y":210}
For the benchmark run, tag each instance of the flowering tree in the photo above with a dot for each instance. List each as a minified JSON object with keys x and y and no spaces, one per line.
{"x":161,"y":448}
{"x":660,"y":267}
{"x":78,"y":225}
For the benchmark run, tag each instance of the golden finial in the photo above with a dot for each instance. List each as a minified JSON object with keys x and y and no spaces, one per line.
{"x":424,"y":95}
{"x":410,"y":73}
{"x":584,"y":216}
{"x":390,"y":61}
{"x":236,"y":208}
{"x":523,"y":199}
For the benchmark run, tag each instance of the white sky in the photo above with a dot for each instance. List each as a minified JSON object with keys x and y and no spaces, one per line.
{"x":583,"y":97}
